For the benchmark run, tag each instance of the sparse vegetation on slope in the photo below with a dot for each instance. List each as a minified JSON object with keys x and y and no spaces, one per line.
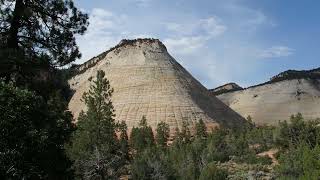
{"x":221,"y":154}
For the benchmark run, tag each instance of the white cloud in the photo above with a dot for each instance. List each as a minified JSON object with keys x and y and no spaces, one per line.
{"x":105,"y":30}
{"x":143,"y":3}
{"x":212,"y":26}
{"x":276,"y":52}
{"x":187,"y":38}
{"x":185,"y":45}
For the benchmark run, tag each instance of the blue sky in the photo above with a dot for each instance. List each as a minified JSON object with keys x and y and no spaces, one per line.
{"x":218,"y":41}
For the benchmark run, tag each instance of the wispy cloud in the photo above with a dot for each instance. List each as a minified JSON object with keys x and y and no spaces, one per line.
{"x":211,"y":27}
{"x":189,"y":37}
{"x":276,"y":52}
{"x":185,"y":45}
{"x":143,"y":3}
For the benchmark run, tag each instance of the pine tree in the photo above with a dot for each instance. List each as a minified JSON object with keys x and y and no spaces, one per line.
{"x":185,"y":132}
{"x":41,"y":28}
{"x":124,"y":142}
{"x":95,"y":148}
{"x":163,"y":133}
{"x":142,"y":137}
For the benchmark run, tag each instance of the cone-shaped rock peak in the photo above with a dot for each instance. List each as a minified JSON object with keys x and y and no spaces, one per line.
{"x":147,"y":81}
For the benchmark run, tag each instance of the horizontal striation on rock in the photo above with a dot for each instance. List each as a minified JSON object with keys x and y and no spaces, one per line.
{"x":147,"y":81}
{"x":270,"y":103}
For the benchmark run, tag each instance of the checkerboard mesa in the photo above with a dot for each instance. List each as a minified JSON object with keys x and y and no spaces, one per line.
{"x":149,"y":82}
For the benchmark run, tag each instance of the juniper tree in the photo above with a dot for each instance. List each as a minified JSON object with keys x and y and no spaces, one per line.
{"x":95,"y":147}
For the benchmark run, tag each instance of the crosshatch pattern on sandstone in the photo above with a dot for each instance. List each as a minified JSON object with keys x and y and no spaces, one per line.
{"x":147,"y":81}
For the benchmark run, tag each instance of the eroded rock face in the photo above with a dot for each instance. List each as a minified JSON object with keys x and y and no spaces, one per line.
{"x":147,"y":81}
{"x":273,"y":101}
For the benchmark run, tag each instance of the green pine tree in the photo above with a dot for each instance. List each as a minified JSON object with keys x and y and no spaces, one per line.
{"x":163,"y":133}
{"x":142,"y":136}
{"x":124,"y":141}
{"x":95,"y":148}
{"x":43,"y":29}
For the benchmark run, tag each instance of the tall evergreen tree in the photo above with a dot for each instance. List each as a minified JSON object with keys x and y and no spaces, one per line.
{"x":142,"y":136}
{"x":95,"y":147}
{"x":30,"y":29}
{"x":124,"y":140}
{"x":163,"y":133}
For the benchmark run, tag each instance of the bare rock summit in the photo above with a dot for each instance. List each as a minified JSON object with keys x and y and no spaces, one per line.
{"x":147,"y":81}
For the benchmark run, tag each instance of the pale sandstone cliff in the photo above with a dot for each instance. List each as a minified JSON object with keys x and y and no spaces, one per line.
{"x":147,"y":81}
{"x":288,"y":93}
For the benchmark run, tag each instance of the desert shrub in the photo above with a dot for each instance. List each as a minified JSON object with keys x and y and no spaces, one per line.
{"x":211,"y":172}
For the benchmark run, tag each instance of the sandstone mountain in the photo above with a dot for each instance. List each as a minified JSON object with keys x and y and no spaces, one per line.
{"x":288,"y":93}
{"x":147,"y":81}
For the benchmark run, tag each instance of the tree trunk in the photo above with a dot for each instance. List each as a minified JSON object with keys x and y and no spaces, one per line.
{"x":15,"y":25}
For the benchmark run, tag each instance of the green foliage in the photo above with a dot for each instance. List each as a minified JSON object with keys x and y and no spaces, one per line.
{"x":33,"y":132}
{"x":299,"y":142}
{"x":95,"y":148}
{"x":201,"y":129}
{"x":124,"y":141}
{"x":163,"y":133}
{"x":183,"y":136}
{"x":302,"y":162}
{"x":217,"y":148}
{"x":298,"y":132}
{"x":142,"y":136}
{"x":264,"y":137}
{"x":41,"y":28}
{"x":211,"y":172}
{"x":152,"y":163}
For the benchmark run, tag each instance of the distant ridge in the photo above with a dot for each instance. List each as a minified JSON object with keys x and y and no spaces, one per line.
{"x":287,"y":93}
{"x":290,"y":75}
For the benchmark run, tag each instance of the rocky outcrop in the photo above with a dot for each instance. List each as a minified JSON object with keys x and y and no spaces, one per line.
{"x":288,"y":93}
{"x":147,"y":81}
{"x":230,"y":87}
